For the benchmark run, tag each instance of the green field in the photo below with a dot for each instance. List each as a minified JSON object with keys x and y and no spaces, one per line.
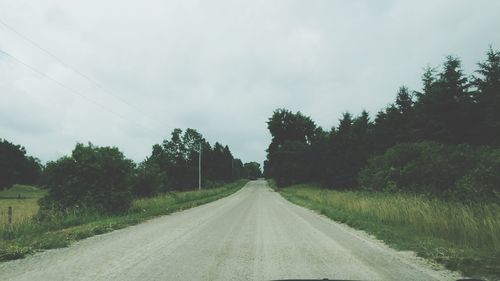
{"x":19,"y":191}
{"x":29,"y":235}
{"x":24,"y":202}
{"x":463,"y":237}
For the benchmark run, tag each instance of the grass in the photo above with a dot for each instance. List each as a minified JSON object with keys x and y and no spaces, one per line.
{"x":29,"y":236}
{"x":463,"y":237}
{"x":19,"y":191}
{"x":23,"y":200}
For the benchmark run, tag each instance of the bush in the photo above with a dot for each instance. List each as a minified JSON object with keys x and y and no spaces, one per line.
{"x":149,"y":180}
{"x":461,"y":172}
{"x":482,"y":182}
{"x":92,"y":177}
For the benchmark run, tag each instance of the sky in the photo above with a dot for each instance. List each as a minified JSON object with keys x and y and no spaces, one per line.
{"x":126,"y":73}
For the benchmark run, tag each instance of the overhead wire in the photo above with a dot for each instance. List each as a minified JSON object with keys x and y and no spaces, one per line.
{"x":71,"y":90}
{"x":81,"y":74}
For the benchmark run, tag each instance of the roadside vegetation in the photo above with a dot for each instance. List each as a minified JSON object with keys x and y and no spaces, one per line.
{"x":461,"y":236}
{"x":59,"y":229}
{"x":98,"y":189}
{"x":423,"y":174}
{"x":451,"y":109}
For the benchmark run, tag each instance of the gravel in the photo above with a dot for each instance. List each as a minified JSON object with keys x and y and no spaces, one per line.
{"x":253,"y":234}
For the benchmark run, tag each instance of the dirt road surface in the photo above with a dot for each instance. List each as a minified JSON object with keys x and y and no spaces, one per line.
{"x":253,"y":234}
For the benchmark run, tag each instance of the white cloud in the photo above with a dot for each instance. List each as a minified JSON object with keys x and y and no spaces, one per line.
{"x":219,"y":66}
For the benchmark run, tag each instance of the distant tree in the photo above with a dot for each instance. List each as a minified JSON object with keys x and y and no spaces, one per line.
{"x":252,"y":170}
{"x":238,"y":169}
{"x":292,"y":135}
{"x":287,"y":126}
{"x":404,"y":100}
{"x":149,"y":178}
{"x":177,"y":159}
{"x":16,"y":166}
{"x":180,"y":158}
{"x":221,"y":162}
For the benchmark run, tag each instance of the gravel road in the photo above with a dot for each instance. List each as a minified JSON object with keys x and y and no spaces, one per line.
{"x":253,"y":234}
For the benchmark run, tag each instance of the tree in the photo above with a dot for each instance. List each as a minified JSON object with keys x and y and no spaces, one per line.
{"x":252,"y":170}
{"x":292,"y":135}
{"x":178,"y":158}
{"x":238,"y":169}
{"x":16,"y":166}
{"x":404,"y":100}
{"x":149,"y":178}
{"x":92,"y":177}
{"x":350,"y":146}
{"x":443,"y":109}
{"x":488,"y":98}
{"x":430,"y":125}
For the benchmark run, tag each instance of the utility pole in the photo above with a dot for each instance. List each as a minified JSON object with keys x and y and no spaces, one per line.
{"x":199,"y":169}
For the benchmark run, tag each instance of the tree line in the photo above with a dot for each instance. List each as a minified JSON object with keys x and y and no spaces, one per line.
{"x":415,"y":143}
{"x":16,"y":166}
{"x":103,"y":179}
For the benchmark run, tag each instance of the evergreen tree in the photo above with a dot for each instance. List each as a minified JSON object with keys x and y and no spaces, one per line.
{"x":488,"y":98}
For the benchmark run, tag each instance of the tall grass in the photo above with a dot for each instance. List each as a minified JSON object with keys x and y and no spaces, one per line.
{"x":463,"y":236}
{"x":476,"y":225}
{"x":22,"y":210}
{"x":24,"y":202}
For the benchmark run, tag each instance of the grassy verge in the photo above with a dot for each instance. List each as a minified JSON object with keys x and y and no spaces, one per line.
{"x":19,"y":240}
{"x":460,"y":236}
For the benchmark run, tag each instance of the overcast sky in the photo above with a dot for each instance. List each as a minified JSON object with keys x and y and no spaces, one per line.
{"x":220,"y":67}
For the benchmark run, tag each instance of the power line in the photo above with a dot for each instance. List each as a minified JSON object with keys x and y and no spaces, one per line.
{"x":69,"y":89}
{"x":86,"y":77}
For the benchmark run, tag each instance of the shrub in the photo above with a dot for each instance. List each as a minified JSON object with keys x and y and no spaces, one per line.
{"x":149,"y":180}
{"x":456,"y":171}
{"x":92,"y":177}
{"x":482,"y":182}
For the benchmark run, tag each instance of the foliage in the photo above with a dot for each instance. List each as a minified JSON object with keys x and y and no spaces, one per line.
{"x":174,"y":164}
{"x":92,"y":177}
{"x":149,"y":179}
{"x":451,"y":109}
{"x":292,"y":135}
{"x":458,"y":171}
{"x":252,"y":170}
{"x":16,"y":166}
